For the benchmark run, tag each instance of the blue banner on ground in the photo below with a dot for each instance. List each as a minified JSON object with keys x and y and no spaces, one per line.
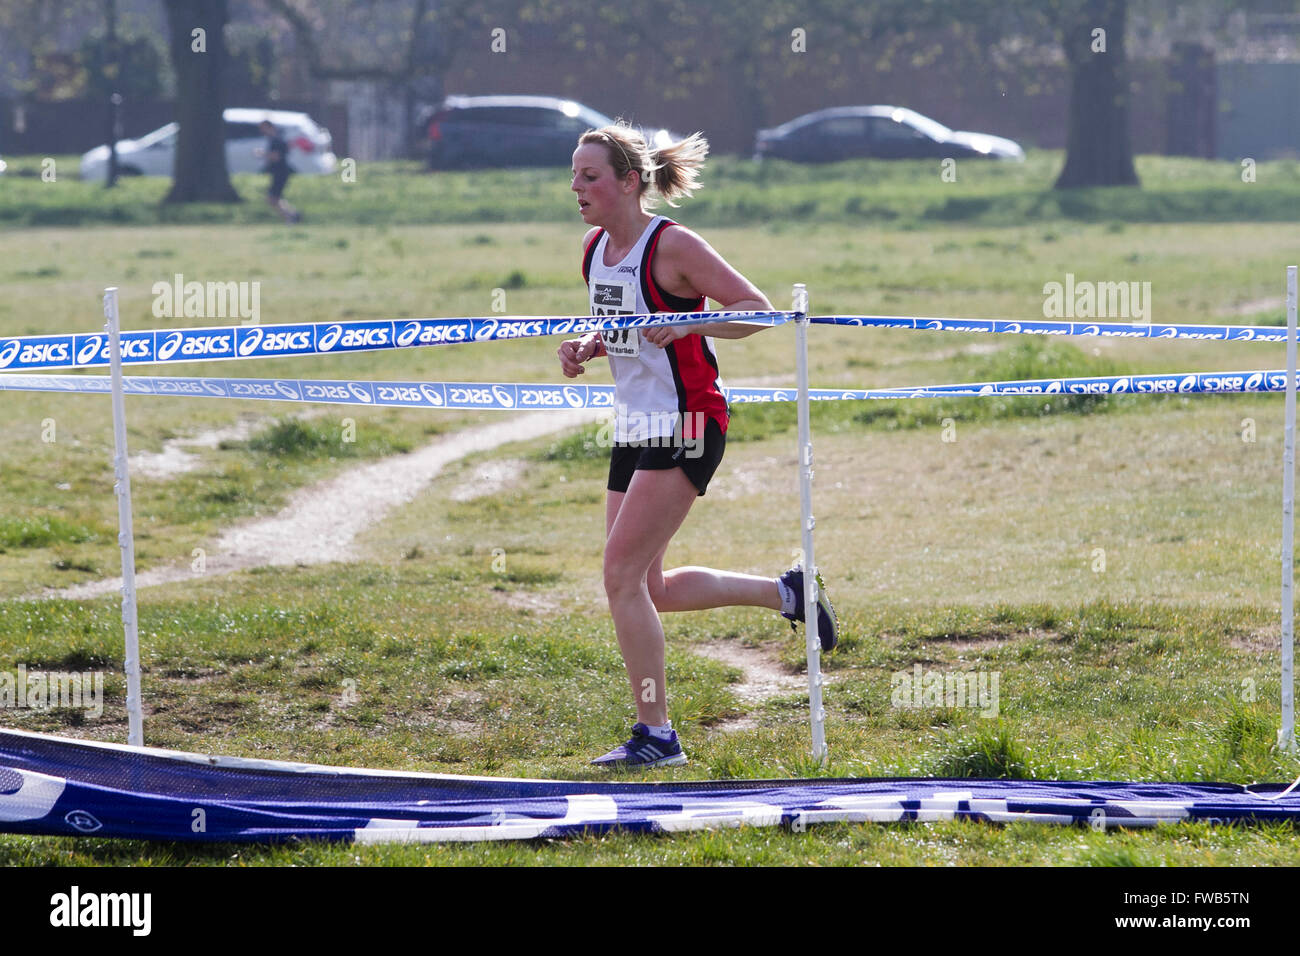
{"x":56,"y":786}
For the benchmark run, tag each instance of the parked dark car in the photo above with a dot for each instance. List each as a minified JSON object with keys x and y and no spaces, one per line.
{"x":470,"y":132}
{"x":876,"y":132}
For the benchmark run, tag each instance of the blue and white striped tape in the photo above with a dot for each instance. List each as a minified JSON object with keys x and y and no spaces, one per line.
{"x":216,"y":343}
{"x":1149,"y":384}
{"x":511,"y":396}
{"x":1223,"y":333}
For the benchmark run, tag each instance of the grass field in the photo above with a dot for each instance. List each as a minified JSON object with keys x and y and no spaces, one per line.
{"x":1115,"y":561}
{"x":738,"y":192}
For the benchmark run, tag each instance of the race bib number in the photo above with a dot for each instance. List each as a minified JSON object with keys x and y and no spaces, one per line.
{"x":609,"y":297}
{"x":625,"y":343}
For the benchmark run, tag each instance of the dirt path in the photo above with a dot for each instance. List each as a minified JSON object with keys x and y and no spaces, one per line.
{"x":321,"y":522}
{"x":1255,"y":306}
{"x":765,"y":677}
{"x":174,"y":460}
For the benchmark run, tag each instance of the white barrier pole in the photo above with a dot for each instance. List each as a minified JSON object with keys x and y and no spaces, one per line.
{"x":816,"y":711}
{"x":1286,"y":736}
{"x":125,"y":532}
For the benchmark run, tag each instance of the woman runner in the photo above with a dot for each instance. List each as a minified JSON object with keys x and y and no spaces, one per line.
{"x":670,"y":414}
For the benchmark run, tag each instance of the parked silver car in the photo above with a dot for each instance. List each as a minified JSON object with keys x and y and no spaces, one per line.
{"x":310,"y":146}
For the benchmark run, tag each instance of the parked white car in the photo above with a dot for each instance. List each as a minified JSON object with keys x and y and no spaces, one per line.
{"x":310,"y":146}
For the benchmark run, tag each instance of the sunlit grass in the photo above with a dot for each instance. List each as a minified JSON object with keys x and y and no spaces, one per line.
{"x":1118,"y":569}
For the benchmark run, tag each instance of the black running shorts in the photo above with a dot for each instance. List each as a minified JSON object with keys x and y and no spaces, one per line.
{"x":698,"y":457}
{"x":278,"y":180}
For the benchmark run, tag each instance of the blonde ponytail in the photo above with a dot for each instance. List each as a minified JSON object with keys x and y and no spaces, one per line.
{"x":673,"y":169}
{"x":677,"y":167}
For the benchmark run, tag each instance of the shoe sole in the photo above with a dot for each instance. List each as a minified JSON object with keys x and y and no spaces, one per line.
{"x":674,"y":760}
{"x":830,"y":612}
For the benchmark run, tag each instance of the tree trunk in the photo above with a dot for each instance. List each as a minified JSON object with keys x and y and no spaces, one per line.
{"x":112,"y":72}
{"x":1190,"y":102}
{"x":200,"y":173}
{"x":1098,"y":149}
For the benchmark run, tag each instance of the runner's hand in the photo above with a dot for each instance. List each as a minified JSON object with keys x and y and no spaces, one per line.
{"x":665,"y":335}
{"x":573,"y":352}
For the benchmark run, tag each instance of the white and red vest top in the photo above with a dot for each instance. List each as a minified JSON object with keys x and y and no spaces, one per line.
{"x":654,"y":387}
